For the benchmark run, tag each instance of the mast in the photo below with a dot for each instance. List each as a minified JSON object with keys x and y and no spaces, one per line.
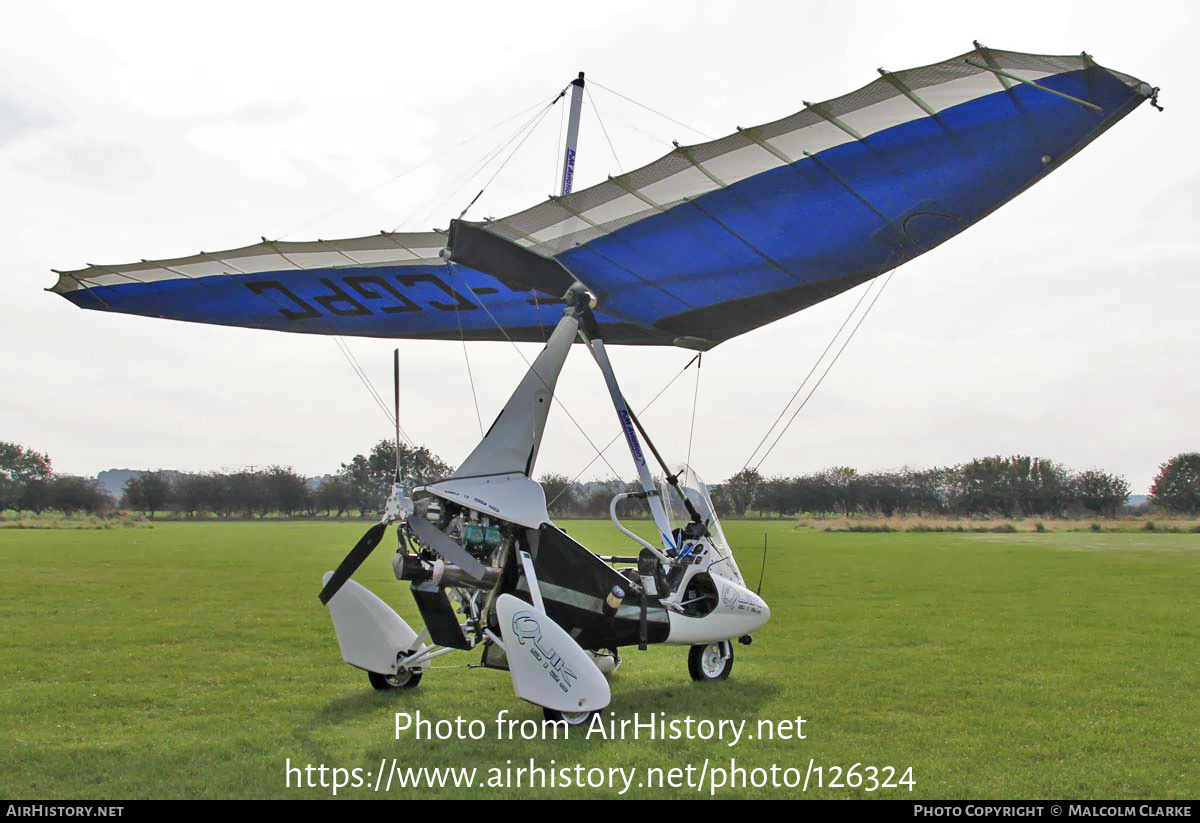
{"x":568,"y":169}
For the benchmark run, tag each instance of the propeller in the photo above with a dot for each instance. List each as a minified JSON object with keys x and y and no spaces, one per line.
{"x":367,"y":543}
{"x":350,"y":563}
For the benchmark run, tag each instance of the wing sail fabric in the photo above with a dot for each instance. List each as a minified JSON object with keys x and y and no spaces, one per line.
{"x":386,"y":285}
{"x":703,"y":244}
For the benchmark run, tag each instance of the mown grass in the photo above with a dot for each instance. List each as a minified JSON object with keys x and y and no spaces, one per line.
{"x":191,"y":660}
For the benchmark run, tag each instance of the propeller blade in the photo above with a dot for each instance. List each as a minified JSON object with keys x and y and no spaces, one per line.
{"x":429,"y":534}
{"x":350,"y":563}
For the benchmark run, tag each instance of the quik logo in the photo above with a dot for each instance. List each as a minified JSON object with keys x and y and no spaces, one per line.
{"x":630,"y":436}
{"x":569,"y":174}
{"x":737,"y":601}
{"x":528,"y":631}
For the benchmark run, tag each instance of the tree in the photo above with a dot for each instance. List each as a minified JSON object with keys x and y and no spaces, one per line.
{"x":370,"y":478}
{"x":190,"y":493}
{"x":560,"y":493}
{"x":843,"y":488}
{"x":333,"y":496}
{"x":245,"y":492}
{"x":18,"y":467}
{"x":365,"y":492}
{"x":148,"y":492}
{"x":286,"y":491}
{"x":1177,"y":486}
{"x":417,"y":465}
{"x":1013,"y":486}
{"x":740,"y":491}
{"x":1101,"y":492}
{"x":778,"y":495}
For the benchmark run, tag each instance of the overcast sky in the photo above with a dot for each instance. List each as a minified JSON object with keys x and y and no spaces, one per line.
{"x":1064,"y":325}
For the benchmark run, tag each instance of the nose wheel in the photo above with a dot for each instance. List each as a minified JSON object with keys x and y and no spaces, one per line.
{"x":712,"y":661}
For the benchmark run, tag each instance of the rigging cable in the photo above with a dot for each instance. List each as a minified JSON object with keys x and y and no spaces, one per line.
{"x":619,"y":434}
{"x":562,"y":116}
{"x":344,"y":347}
{"x":462,"y":337}
{"x":604,"y":129}
{"x":394,"y":178}
{"x":833,"y":362}
{"x":804,"y":382}
{"x":478,"y":166}
{"x":535,"y":121}
{"x":695,"y":402}
{"x":592,"y":81}
{"x":553,"y":396}
{"x":500,"y":168}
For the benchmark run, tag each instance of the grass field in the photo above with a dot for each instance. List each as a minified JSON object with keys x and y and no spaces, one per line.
{"x":191,"y":660}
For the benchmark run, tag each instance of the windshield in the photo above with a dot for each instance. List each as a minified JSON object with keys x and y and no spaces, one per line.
{"x":697,"y":492}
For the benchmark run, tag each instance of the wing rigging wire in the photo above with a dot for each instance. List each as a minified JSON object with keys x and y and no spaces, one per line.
{"x":395,"y":178}
{"x":527,"y":128}
{"x":354,"y":365}
{"x":695,"y":403}
{"x":553,"y":396}
{"x":473,"y":170}
{"x":524,"y":134}
{"x":463,"y":339}
{"x":477,"y":168}
{"x":618,"y":435}
{"x":344,"y":347}
{"x":832,"y":363}
{"x":520,"y":136}
{"x":536,"y":122}
{"x":562,"y":117}
{"x":604,"y":129}
{"x":592,"y":81}
{"x":804,"y":382}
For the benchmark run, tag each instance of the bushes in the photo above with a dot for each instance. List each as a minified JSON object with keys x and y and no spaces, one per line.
{"x":68,"y":494}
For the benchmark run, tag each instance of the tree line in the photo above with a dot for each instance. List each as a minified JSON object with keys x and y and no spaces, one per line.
{"x":360,"y":486}
{"x":1016,"y":486}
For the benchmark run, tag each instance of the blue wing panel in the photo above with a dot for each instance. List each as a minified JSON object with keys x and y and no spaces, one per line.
{"x":423,"y":301}
{"x":696,"y":273}
{"x":783,"y":239}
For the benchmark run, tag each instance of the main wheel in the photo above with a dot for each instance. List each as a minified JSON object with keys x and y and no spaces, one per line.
{"x":570,"y":718}
{"x":713,"y":661}
{"x":403,"y":679}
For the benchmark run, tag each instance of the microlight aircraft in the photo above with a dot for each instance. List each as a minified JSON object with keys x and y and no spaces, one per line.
{"x":708,"y":242}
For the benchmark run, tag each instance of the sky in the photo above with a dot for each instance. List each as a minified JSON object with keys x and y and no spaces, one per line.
{"x":1064,"y":325}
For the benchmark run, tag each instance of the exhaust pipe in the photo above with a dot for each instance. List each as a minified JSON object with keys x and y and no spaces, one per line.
{"x":440,"y":573}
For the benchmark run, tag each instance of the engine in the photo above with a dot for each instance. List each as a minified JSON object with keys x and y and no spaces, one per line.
{"x":486,"y":539}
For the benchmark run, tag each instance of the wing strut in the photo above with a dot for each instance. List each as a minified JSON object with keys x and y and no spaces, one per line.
{"x":589,"y":330}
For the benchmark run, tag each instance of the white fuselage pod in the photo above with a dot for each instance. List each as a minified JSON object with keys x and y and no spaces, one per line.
{"x":739,"y":612}
{"x":370,"y":634}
